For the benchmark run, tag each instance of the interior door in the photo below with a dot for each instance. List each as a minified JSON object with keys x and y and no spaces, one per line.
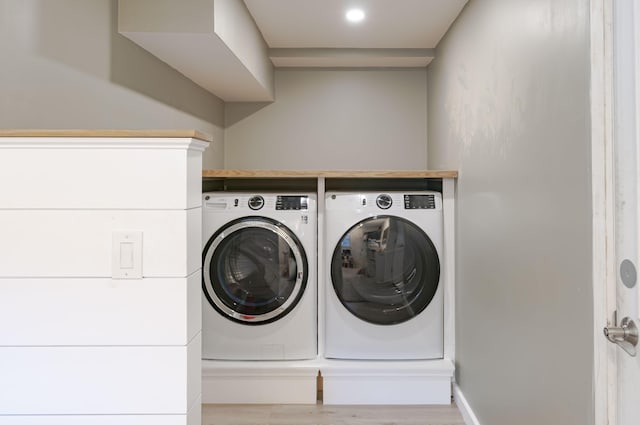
{"x":626,"y":55}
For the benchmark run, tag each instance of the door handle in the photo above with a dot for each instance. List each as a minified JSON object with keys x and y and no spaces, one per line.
{"x":626,"y":335}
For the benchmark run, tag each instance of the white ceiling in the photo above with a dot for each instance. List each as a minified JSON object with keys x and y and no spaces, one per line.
{"x":227,"y":58}
{"x":320,"y":24}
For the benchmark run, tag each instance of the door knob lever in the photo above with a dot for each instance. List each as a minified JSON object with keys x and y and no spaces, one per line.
{"x":625,"y":335}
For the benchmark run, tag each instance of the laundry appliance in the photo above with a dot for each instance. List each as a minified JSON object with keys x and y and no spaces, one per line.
{"x":383,"y":293}
{"x":259,"y":276}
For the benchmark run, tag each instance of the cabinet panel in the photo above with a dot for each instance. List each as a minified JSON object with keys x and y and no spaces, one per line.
{"x":129,"y":178}
{"x":194,"y":417}
{"x":98,"y":380}
{"x":78,"y":243}
{"x":83,"y":311}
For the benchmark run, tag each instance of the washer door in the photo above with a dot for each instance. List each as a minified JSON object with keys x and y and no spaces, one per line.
{"x":254,"y":270}
{"x":385,"y":270}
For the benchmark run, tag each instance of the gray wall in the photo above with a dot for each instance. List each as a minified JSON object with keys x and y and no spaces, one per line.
{"x":65,"y":66}
{"x":333,"y":119}
{"x":509,"y":107}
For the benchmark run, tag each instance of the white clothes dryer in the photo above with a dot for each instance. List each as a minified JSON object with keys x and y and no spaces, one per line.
{"x":259,"y":276}
{"x":384,"y":298}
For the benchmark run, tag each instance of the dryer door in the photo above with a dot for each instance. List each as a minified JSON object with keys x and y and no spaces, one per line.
{"x":254,"y":270}
{"x":385,"y":270}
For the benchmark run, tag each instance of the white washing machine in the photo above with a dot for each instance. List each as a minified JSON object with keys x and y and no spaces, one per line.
{"x":259,"y":276}
{"x":384,"y":295}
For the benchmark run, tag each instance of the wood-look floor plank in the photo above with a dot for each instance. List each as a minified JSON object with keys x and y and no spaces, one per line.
{"x":224,"y":414}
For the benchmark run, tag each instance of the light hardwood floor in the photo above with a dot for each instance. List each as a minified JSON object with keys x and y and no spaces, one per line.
{"x":225,"y":414}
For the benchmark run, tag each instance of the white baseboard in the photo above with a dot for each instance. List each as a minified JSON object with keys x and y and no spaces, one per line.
{"x":467,"y":414}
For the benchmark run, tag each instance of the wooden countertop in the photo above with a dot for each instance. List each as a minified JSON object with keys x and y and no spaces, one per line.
{"x":106,"y":133}
{"x":329,"y":174}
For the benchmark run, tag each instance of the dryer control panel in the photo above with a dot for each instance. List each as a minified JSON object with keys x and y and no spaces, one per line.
{"x":264,"y":203}
{"x":419,"y":202}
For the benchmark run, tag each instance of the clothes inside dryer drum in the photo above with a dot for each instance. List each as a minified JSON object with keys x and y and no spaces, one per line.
{"x":385,"y":270}
{"x":255,"y":273}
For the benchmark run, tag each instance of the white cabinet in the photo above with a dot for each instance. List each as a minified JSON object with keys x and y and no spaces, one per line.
{"x":76,"y":344}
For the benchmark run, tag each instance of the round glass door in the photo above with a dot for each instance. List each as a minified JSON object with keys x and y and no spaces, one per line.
{"x":385,"y":270}
{"x":254,"y":270}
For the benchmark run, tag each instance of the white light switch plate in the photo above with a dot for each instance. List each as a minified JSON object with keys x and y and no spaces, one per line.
{"x":126,"y":261}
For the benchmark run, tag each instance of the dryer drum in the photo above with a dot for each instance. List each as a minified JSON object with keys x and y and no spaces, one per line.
{"x":254,"y":270}
{"x":385,"y":270}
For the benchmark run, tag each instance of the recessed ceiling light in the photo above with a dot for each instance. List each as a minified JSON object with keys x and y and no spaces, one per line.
{"x":355,"y":15}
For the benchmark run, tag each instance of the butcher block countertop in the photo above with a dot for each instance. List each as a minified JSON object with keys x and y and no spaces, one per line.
{"x":328,"y":174}
{"x":107,"y":133}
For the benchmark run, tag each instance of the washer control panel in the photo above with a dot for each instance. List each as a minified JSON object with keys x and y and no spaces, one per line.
{"x":285,"y":203}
